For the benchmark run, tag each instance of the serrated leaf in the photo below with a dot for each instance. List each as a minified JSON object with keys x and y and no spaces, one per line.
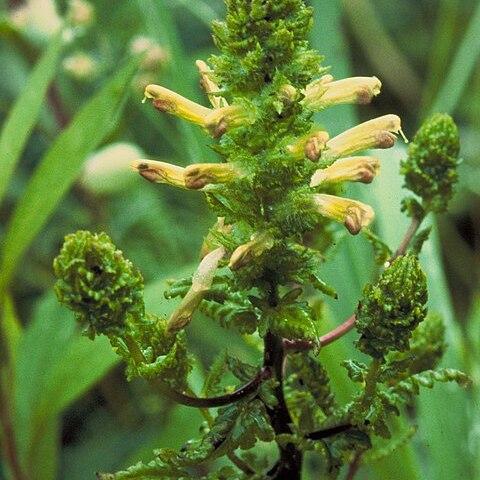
{"x":420,"y":238}
{"x":61,"y":165}
{"x":215,"y":373}
{"x":323,"y":287}
{"x":357,"y":371}
{"x":380,"y":248}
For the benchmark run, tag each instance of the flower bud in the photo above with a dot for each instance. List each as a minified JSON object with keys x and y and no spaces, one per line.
{"x":219,"y":120}
{"x":310,"y":146}
{"x":209,"y":86}
{"x":98,"y":284}
{"x":390,"y":311}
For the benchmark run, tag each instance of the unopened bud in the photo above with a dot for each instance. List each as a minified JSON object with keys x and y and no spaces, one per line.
{"x":310,"y":146}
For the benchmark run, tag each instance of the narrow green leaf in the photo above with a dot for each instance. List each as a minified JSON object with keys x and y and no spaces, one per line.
{"x":24,"y":114}
{"x":61,"y":165}
{"x":10,"y":327}
{"x":460,"y":70}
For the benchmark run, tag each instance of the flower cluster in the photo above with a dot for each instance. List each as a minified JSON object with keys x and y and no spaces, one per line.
{"x":286,"y":180}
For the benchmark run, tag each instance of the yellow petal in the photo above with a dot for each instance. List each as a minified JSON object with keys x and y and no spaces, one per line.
{"x":198,"y":175}
{"x":376,"y":133}
{"x":209,"y":86}
{"x":359,"y":90}
{"x":201,"y":283}
{"x":243,"y":254}
{"x":349,"y":169}
{"x":352,"y":213}
{"x":310,"y":146}
{"x":160,"y":172}
{"x":170,"y":102}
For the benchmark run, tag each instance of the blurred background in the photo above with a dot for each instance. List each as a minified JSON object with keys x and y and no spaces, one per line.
{"x":69,"y":131}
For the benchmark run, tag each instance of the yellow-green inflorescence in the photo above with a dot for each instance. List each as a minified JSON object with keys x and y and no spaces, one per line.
{"x":277,"y":169}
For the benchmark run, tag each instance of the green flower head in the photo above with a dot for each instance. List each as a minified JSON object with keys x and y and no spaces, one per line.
{"x":98,"y":283}
{"x":390,"y":311}
{"x":431,"y":167}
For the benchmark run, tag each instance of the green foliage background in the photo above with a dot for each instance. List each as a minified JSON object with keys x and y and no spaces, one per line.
{"x":70,"y":409}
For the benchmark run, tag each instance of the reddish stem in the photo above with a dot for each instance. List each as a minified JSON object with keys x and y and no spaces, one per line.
{"x":335,"y":334}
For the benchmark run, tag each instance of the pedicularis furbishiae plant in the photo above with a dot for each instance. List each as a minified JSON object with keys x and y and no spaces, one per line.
{"x":277,"y":179}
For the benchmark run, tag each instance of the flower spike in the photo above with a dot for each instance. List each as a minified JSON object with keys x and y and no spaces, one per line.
{"x":160,"y":172}
{"x":349,"y":169}
{"x":376,"y":133}
{"x":353,"y":214}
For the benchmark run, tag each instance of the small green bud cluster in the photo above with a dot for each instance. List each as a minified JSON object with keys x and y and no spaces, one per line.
{"x":390,"y":311}
{"x":431,"y":167}
{"x":98,"y":283}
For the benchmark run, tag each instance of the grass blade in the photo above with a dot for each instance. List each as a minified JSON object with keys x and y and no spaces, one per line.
{"x":460,"y":69}
{"x":24,"y":114}
{"x":61,"y":165}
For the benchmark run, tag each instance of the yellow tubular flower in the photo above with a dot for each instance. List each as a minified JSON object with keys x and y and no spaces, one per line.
{"x":358,"y":90}
{"x":376,"y":133}
{"x":349,"y":169}
{"x":199,"y":175}
{"x":310,"y":146}
{"x":353,"y":214}
{"x":170,"y":102}
{"x":201,"y":283}
{"x":258,"y":244}
{"x":208,"y":86}
{"x":219,"y":120}
{"x":160,"y":172}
